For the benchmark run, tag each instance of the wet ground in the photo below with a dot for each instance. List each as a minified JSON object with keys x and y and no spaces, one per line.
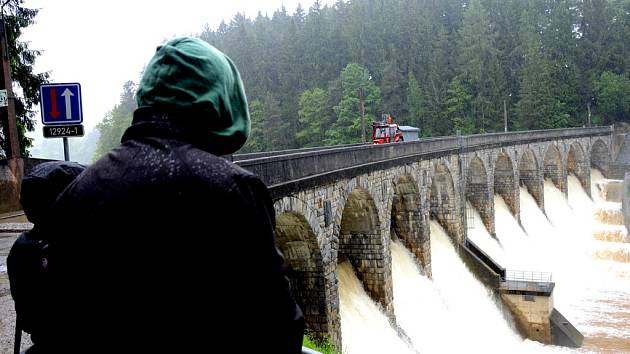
{"x":9,"y":231}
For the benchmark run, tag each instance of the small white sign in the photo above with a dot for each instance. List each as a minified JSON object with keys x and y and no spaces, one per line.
{"x":3,"y":98}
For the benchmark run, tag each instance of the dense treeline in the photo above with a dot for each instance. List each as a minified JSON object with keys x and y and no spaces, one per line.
{"x":441,"y":65}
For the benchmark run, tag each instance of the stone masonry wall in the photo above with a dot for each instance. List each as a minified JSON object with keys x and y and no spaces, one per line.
{"x":297,"y":242}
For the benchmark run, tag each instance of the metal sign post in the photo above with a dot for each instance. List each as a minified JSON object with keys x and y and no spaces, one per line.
{"x":66,"y":149}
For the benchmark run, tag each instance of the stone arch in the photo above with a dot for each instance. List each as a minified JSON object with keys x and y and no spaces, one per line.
{"x":444,"y":206}
{"x":300,"y":206}
{"x":306,"y":273}
{"x":600,"y":157}
{"x":407,"y":223}
{"x":530,"y":178}
{"x":554,"y":170}
{"x":478,"y":192}
{"x":504,"y":182}
{"x":360,"y":242}
{"x":579,"y":166}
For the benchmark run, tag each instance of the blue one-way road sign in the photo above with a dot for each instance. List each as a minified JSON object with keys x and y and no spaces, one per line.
{"x":61,"y":103}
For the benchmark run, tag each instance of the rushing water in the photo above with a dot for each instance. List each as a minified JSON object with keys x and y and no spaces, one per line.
{"x":365,"y":328}
{"x":579,"y":240}
{"x":602,"y":310}
{"x":458,"y":314}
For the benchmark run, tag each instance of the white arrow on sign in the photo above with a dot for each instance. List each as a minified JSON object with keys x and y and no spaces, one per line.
{"x":67,"y":94}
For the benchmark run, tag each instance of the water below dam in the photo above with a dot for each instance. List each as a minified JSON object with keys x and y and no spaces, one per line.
{"x":579,"y":240}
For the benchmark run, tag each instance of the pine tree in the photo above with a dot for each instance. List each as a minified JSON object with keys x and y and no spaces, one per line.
{"x":256,"y":140}
{"x":441,"y":71}
{"x":458,"y":105}
{"x":417,"y":114}
{"x":356,"y":83}
{"x":313,"y":117}
{"x":479,"y":69}
{"x":558,"y":20}
{"x":276,"y":131}
{"x":537,"y":107}
{"x":393,"y":90}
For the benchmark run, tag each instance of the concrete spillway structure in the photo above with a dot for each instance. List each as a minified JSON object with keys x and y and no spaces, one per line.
{"x":527,"y":294}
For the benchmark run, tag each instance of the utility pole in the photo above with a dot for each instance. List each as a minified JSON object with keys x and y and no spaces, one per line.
{"x":362,"y":110}
{"x":10,"y":125}
{"x":505,"y":116}
{"x":588,"y":106}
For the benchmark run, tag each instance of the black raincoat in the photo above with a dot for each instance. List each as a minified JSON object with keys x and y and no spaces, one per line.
{"x":161,"y":246}
{"x":28,"y":257}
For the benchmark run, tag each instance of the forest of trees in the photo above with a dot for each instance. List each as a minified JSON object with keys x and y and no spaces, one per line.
{"x":444,"y":66}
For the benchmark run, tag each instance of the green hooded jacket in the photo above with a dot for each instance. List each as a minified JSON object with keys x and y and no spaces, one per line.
{"x":191,"y":79}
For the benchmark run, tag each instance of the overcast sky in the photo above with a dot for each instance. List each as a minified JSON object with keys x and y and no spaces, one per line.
{"x":103,"y":44}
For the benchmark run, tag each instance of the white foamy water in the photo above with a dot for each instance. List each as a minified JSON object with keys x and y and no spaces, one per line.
{"x":479,"y":235}
{"x":458,"y":314}
{"x":603,"y":309}
{"x":455,"y":313}
{"x":592,"y":276}
{"x":592,"y":284}
{"x":364,"y":326}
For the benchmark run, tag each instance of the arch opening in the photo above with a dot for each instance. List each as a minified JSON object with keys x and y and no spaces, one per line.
{"x":553,"y":168}
{"x":529,"y":177}
{"x":408,"y":224}
{"x":579,"y":166}
{"x":478,"y":193}
{"x":504,"y":182}
{"x":443,"y":203}
{"x":360,"y":243}
{"x":298,"y":243}
{"x":600,"y":157}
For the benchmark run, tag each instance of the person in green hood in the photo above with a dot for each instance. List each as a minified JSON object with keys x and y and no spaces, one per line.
{"x":171,"y":248}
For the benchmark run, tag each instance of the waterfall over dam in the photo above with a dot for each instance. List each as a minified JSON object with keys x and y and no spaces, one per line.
{"x":577,"y":239}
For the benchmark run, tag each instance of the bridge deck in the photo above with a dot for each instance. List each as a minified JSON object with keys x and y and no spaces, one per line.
{"x":286,"y":171}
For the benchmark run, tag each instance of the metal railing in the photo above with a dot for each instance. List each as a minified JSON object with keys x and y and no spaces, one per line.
{"x":521,"y":280}
{"x":527,"y":275}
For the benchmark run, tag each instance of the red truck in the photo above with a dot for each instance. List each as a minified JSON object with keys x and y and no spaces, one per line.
{"x":388,"y":132}
{"x":385,"y":133}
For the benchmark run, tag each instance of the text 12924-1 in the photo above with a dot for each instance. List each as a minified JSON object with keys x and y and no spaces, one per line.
{"x":61,"y":131}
